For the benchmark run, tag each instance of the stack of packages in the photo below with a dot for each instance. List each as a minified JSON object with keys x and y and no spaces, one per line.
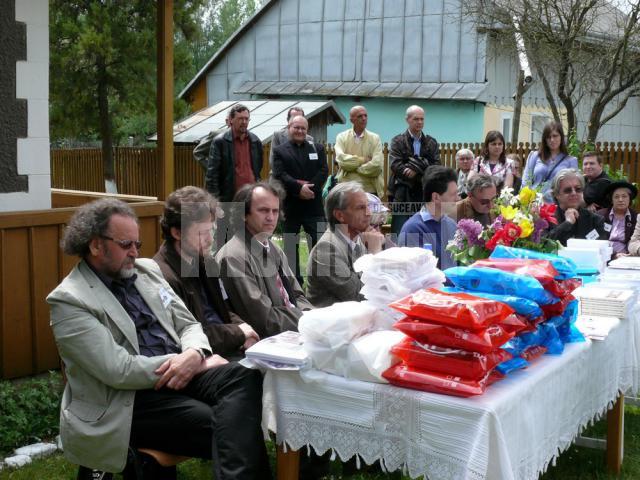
{"x":454,"y":342}
{"x":538,"y":289}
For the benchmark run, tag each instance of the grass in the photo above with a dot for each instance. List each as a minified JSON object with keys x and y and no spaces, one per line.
{"x":577,"y":463}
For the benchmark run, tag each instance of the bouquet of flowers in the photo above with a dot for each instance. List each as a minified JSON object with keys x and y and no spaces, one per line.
{"x":522,"y":221}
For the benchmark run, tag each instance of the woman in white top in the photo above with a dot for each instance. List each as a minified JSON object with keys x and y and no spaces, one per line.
{"x":493,"y":161}
{"x":544,"y":164}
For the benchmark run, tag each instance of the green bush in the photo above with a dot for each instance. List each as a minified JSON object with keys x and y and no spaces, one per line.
{"x":29,"y":411}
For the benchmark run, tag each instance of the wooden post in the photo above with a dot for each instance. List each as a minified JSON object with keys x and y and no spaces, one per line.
{"x":615,"y":435}
{"x":165,"y":98}
{"x":287,"y":463}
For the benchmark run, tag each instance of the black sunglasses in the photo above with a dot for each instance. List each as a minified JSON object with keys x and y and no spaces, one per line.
{"x":124,"y":244}
{"x":568,"y":190}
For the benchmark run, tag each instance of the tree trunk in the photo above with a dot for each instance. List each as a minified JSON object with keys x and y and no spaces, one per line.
{"x":106,"y":133}
{"x":521,"y":88}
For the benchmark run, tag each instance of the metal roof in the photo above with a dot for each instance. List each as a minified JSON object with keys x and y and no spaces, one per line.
{"x":435,"y":91}
{"x":267,"y":116}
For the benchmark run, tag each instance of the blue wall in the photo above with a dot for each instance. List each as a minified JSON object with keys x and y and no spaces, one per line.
{"x":447,"y":121}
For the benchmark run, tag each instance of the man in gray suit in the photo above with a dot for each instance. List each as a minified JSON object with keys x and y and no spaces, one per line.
{"x":140,"y":371}
{"x":331,"y":275}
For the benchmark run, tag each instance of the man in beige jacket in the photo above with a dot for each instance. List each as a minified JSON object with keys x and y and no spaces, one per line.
{"x":359,"y":154}
{"x":140,"y":371}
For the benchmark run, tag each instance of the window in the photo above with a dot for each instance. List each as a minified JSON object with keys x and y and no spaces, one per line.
{"x":538,"y":121}
{"x":506,"y":118}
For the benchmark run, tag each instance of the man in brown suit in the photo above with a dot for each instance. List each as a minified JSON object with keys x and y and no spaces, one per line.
{"x":479,"y":203}
{"x":262,"y":288}
{"x":187,"y":264}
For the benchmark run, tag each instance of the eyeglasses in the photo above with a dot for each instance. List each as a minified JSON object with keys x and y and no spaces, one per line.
{"x":568,"y":190}
{"x":124,"y":244}
{"x":485,"y":201}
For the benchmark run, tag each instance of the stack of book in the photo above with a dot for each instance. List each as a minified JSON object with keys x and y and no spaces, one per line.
{"x":601,"y":301}
{"x":284,"y":351}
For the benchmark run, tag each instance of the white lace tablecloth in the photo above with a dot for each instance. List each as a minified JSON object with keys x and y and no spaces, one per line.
{"x":513,"y":431}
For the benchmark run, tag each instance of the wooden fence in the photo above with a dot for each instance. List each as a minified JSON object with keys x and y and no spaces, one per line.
{"x":137,"y":170}
{"x":31,"y":265}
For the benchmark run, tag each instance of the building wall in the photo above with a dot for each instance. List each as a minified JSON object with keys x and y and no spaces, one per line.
{"x":502,"y":71}
{"x":24,"y":106}
{"x":446,"y":121}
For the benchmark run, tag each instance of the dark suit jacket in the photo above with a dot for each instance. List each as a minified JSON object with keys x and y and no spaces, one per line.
{"x":401,"y":188}
{"x":594,"y":191}
{"x":587,"y":222}
{"x":220,"y":178}
{"x":226,"y":339}
{"x":288,"y":169}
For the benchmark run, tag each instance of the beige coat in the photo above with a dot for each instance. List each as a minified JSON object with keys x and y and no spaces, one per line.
{"x":98,"y":344}
{"x":251,"y":285}
{"x":351,"y":158}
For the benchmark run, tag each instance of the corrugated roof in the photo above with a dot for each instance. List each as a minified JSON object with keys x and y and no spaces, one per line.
{"x":435,"y":91}
{"x":267,"y":116}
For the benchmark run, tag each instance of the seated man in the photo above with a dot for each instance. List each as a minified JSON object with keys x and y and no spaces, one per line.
{"x":350,"y":235}
{"x":262,"y":288}
{"x":140,"y":371}
{"x":431,"y":225}
{"x":187,"y":264}
{"x":596,"y":182}
{"x":574,"y":221}
{"x":481,"y":190}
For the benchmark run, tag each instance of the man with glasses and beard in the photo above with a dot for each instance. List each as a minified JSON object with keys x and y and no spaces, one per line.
{"x":479,"y":204}
{"x":140,"y":371}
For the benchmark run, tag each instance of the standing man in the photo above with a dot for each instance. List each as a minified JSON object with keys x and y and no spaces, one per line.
{"x":359,"y":154}
{"x":140,"y":371}
{"x":235,"y":158}
{"x":302,"y":168}
{"x":431,"y":225}
{"x":262,"y":288}
{"x":411,"y":154}
{"x":282,"y":135}
{"x":187,"y":264}
{"x":597,"y":182}
{"x":350,"y":235}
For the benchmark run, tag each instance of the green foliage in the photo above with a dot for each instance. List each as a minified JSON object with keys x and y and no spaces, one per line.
{"x":29,"y":410}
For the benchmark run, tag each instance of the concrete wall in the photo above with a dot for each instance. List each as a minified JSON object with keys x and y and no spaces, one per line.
{"x":24,"y":106}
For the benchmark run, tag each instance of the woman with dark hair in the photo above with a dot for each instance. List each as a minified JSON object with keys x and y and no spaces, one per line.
{"x":493,"y":161}
{"x":544,"y":164}
{"x":620,"y":219}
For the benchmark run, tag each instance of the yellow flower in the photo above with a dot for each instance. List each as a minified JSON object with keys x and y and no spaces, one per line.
{"x":526,"y":226}
{"x":508,"y":212}
{"x":526,"y":196}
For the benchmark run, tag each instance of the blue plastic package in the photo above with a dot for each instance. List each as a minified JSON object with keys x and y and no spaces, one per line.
{"x":522,"y":306}
{"x":551,"y":338}
{"x":565,"y":266}
{"x":492,"y":280}
{"x":569,"y":333}
{"x":571,"y":312}
{"x":509,"y":366}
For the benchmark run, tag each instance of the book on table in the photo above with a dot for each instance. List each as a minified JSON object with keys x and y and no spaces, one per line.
{"x":284,"y":348}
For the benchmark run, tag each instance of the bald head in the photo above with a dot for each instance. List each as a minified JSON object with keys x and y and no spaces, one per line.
{"x":358,"y":117}
{"x":415,"y":120}
{"x":298,"y":127}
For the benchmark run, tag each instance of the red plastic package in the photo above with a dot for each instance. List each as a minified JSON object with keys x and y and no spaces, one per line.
{"x":404,"y":376}
{"x":533,"y":352}
{"x":459,"y":310}
{"x":562,"y":288}
{"x":448,"y":361}
{"x":557,"y":308}
{"x":515,"y":323}
{"x":482,"y":341}
{"x":494,"y":376}
{"x":532,"y":324}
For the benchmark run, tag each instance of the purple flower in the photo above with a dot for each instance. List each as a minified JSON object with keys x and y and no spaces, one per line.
{"x":497,"y":224}
{"x":539,"y":227}
{"x":472,"y":230}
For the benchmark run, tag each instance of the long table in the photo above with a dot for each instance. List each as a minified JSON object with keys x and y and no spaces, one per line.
{"x":513,"y":431}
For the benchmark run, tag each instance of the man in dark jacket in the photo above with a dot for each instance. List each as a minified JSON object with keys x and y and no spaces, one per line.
{"x":235,"y":158}
{"x":574,"y":221}
{"x":187,"y":264}
{"x":411,"y":153}
{"x":302,"y":168}
{"x":596,"y":182}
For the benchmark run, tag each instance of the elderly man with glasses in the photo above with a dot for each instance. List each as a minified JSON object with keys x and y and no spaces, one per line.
{"x":479,"y":203}
{"x":574,"y":220}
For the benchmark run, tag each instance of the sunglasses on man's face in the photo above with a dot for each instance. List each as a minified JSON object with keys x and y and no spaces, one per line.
{"x":124,"y":244}
{"x":568,"y":190}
